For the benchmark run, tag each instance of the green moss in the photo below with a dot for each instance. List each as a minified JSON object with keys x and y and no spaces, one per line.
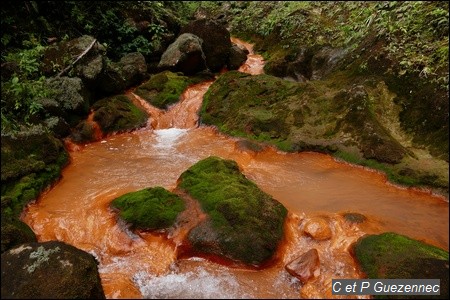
{"x":150,"y":208}
{"x":165,"y":88}
{"x":30,"y":163}
{"x":251,"y":106}
{"x":118,"y":113}
{"x":247,"y":222}
{"x":393,"y":173}
{"x":394,"y":256}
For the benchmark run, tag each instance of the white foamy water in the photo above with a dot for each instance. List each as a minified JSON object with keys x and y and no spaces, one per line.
{"x":196,"y":284}
{"x":167,"y":138}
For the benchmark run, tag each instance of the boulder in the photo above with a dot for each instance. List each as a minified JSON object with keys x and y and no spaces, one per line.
{"x":118,"y":114}
{"x":236,"y":57}
{"x":49,"y":270}
{"x":305,"y":267}
{"x":395,"y":256}
{"x":165,"y":88}
{"x":184,"y":55}
{"x":318,"y":228}
{"x":134,"y":68}
{"x":59,"y":56}
{"x":149,"y":209}
{"x":216,"y":41}
{"x":30,"y":161}
{"x":15,"y":232}
{"x":69,"y":99}
{"x":244,"y":224}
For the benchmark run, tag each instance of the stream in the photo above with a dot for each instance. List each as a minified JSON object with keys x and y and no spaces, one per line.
{"x":310,"y":185}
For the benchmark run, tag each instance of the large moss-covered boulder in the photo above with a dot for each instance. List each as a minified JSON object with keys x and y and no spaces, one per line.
{"x":394,"y":256}
{"x":149,"y":209}
{"x":49,"y":270}
{"x":118,"y":113}
{"x":163,"y":89}
{"x":30,"y":161}
{"x":357,"y":121}
{"x":244,"y":223}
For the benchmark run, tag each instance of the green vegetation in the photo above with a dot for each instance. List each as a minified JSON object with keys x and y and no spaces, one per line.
{"x":30,"y":163}
{"x":391,"y":172}
{"x":25,"y":87}
{"x":165,"y":88}
{"x":150,"y":209}
{"x":394,"y":256}
{"x":416,"y":33}
{"x":247,"y":224}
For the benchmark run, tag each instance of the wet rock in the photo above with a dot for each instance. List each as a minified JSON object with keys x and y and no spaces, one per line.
{"x":110,"y":81}
{"x":84,"y":132}
{"x":354,"y":217}
{"x":244,"y":224}
{"x":165,"y":88}
{"x":118,"y":114}
{"x":237,"y":57}
{"x":58,"y":126}
{"x":30,"y":161}
{"x":294,"y":66}
{"x":15,"y":232}
{"x":185,"y":55}
{"x":305,"y":267}
{"x":216,"y":42}
{"x":50,"y":270}
{"x":394,"y":256}
{"x":318,"y":228}
{"x":134,"y":68}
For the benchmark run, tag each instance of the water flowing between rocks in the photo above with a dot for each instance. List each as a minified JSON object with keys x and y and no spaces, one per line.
{"x":145,"y":265}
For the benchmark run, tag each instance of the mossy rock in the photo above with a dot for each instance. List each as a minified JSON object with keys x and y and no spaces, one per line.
{"x":150,"y":209}
{"x":84,"y":132}
{"x":30,"y":162}
{"x":354,"y":119}
{"x":165,"y":88}
{"x":394,"y":256}
{"x":245,"y":224}
{"x":14,"y":233}
{"x":118,"y":114}
{"x":252,"y":106}
{"x":49,"y":270}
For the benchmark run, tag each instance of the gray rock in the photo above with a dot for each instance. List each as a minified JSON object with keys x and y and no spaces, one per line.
{"x":185,"y":55}
{"x":49,"y":270}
